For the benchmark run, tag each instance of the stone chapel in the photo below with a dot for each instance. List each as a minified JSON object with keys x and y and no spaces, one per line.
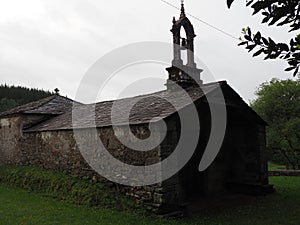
{"x":41,"y":133}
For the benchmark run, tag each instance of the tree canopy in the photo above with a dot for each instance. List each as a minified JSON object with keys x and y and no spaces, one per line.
{"x":11,"y":96}
{"x":278,"y":103}
{"x":280,"y":13}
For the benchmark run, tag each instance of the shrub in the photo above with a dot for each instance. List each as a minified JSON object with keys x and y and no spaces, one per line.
{"x":64,"y":187}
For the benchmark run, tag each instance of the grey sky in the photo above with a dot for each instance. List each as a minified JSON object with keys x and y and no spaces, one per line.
{"x":49,"y":44}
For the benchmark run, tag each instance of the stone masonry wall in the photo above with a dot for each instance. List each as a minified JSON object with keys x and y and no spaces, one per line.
{"x":9,"y":140}
{"x":58,"y":150}
{"x":261,"y":145}
{"x":11,"y":137}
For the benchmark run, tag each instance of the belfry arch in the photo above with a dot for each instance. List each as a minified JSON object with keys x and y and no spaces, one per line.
{"x":189,"y":74}
{"x":183,"y":25}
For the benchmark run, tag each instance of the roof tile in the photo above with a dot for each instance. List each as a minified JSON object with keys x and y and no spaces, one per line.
{"x":157,"y":105}
{"x":53,"y":105}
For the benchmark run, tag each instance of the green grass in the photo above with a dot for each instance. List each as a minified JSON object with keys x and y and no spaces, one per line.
{"x":21,"y":207}
{"x":273,"y":166}
{"x":65,"y":187}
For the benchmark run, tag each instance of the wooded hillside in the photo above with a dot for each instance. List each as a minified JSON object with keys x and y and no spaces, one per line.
{"x":12,"y":96}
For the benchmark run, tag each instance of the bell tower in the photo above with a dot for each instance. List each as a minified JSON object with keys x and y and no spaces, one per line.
{"x":188,"y":74}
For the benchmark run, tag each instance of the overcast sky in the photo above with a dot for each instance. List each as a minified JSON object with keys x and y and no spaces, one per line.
{"x":48,"y":44}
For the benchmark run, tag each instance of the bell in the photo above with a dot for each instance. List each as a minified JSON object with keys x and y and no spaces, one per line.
{"x":183,"y":44}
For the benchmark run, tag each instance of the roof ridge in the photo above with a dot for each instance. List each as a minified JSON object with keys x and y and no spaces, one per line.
{"x":64,"y":97}
{"x":143,"y":114}
{"x":31,"y":106}
{"x":152,"y":93}
{"x":15,"y":109}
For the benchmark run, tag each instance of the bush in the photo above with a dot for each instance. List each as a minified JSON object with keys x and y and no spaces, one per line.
{"x":64,"y":187}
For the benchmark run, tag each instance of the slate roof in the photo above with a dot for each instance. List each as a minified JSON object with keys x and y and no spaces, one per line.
{"x":53,"y":105}
{"x":146,"y":107}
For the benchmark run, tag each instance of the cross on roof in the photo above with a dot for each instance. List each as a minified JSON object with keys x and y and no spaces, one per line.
{"x":182,"y":9}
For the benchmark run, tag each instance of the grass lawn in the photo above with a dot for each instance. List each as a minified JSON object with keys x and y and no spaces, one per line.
{"x":273,"y":166}
{"x":21,"y":207}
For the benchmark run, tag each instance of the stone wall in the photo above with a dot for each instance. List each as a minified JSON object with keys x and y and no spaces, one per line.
{"x":261,"y":146}
{"x":170,"y":193}
{"x":11,"y":137}
{"x":58,"y":150}
{"x":241,"y":159}
{"x":10,"y":134}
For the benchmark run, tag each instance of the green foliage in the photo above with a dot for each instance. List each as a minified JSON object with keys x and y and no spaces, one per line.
{"x":64,"y":187}
{"x":11,"y":96}
{"x":278,"y":103}
{"x":273,"y":166}
{"x":280,"y":13}
{"x":6,"y":104}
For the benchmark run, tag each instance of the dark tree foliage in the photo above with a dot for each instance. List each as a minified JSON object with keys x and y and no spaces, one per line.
{"x":11,"y":96}
{"x":278,"y":103}
{"x":6,"y":104}
{"x":280,"y":13}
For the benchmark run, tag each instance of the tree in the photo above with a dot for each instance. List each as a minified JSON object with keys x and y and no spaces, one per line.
{"x":11,"y":96}
{"x":280,"y":13}
{"x":6,"y":104}
{"x":278,"y":103}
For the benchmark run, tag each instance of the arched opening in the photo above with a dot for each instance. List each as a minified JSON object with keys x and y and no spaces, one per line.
{"x":183,"y":42}
{"x":183,"y":46}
